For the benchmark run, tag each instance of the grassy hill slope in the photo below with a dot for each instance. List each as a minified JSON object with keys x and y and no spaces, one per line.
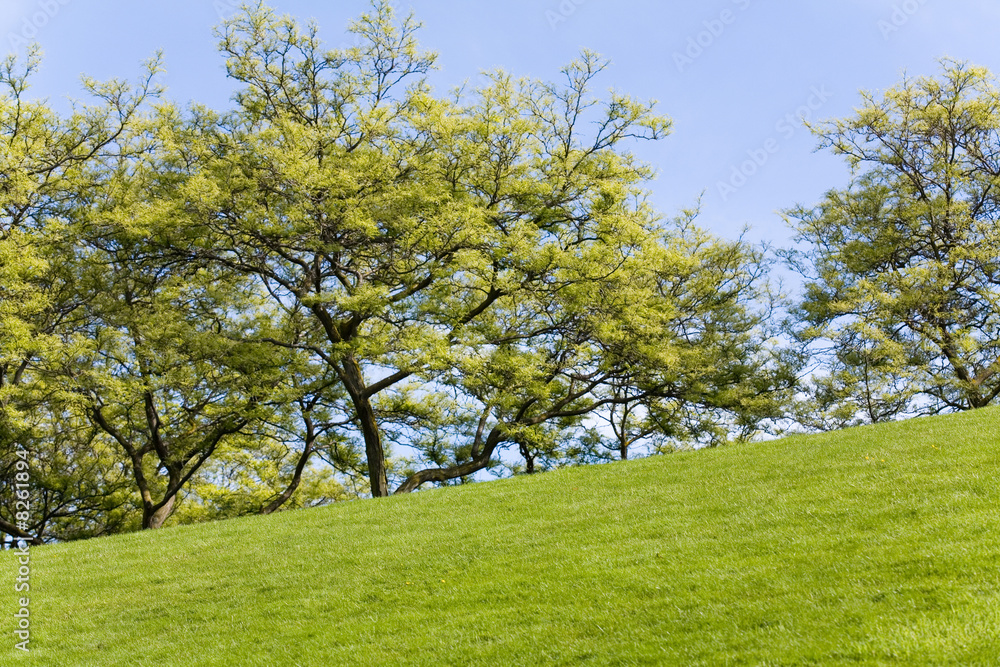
{"x":877,"y":545}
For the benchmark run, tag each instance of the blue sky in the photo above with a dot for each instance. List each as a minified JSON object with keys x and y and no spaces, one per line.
{"x":733,"y":74}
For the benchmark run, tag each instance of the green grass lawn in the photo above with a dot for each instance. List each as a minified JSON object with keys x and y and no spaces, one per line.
{"x":878,"y":545}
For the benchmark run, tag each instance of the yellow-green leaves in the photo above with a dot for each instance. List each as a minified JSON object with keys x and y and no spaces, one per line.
{"x":349,"y":266}
{"x":494,"y":247}
{"x":903,"y":265}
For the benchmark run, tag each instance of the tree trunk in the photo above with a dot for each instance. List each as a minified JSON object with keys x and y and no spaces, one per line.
{"x":153,"y":519}
{"x":529,"y":458}
{"x":18,"y":534}
{"x":354,"y":382}
{"x":369,"y":428}
{"x":294,"y":484}
{"x":373,"y":449}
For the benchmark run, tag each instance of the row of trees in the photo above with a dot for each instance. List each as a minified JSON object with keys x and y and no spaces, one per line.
{"x":349,"y":286}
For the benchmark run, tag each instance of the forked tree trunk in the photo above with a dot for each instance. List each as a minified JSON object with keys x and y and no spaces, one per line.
{"x":354,"y":382}
{"x":153,"y":519}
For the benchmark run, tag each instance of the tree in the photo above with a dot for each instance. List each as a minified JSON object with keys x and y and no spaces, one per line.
{"x":76,"y":487}
{"x":903,"y":266}
{"x":45,"y":161}
{"x":348,"y":282}
{"x":479,"y":270}
{"x":166,"y":364}
{"x":148,"y":367}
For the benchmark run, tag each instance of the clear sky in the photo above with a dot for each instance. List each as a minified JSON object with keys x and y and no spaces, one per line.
{"x":733,"y":74}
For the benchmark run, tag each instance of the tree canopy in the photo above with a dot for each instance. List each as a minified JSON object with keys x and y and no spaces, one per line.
{"x":347,"y":284}
{"x":478,"y":270}
{"x":902,"y":279}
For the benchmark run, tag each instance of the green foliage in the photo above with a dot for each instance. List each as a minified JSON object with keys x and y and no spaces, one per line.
{"x":45,"y":161}
{"x":348,"y":284}
{"x":125,"y":366}
{"x":479,"y":270}
{"x":49,"y":164}
{"x":902,"y":271}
